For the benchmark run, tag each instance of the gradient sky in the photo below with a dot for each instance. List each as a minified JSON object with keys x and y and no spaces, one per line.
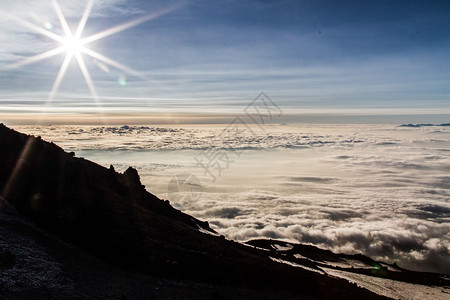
{"x":211,"y":56}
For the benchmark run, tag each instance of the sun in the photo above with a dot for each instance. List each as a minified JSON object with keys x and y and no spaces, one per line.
{"x":72,"y":45}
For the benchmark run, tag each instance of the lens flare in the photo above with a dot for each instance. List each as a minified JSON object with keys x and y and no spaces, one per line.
{"x":101,"y":65}
{"x":122,"y":80}
{"x":48,"y":25}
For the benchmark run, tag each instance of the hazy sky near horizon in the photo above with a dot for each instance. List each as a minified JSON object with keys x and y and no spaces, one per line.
{"x":210,"y":55}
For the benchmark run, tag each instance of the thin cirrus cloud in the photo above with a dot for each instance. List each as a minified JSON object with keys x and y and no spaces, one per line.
{"x":304,"y":54}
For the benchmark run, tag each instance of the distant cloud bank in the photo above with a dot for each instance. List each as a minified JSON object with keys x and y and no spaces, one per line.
{"x":382,"y":190}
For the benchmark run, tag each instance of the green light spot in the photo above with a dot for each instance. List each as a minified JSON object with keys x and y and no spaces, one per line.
{"x":122,"y":80}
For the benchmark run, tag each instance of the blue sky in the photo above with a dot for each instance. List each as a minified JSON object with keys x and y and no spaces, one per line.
{"x":212,"y":56}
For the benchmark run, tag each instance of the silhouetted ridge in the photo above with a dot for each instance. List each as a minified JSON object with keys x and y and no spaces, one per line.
{"x":79,"y":199}
{"x":317,"y":258}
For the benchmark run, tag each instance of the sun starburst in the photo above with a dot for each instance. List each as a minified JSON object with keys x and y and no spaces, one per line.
{"x":74,"y":46}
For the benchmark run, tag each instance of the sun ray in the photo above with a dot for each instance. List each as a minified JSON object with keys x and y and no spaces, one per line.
{"x":133,"y":23}
{"x":86,"y":75}
{"x":122,"y":67}
{"x":62,"y":19}
{"x":56,"y":84}
{"x":73,"y":45}
{"x":20,"y":167}
{"x":113,"y":63}
{"x":90,"y":84}
{"x":59,"y":77}
{"x":34,"y":59}
{"x":84,"y":19}
{"x":31,"y":26}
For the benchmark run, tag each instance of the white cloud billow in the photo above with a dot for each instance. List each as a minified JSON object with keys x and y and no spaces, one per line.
{"x":379,"y":190}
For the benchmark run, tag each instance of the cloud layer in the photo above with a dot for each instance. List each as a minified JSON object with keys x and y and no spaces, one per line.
{"x":379,"y":190}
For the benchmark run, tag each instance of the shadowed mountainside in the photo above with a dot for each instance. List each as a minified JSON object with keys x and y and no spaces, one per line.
{"x":320,"y":259}
{"x":87,"y":213}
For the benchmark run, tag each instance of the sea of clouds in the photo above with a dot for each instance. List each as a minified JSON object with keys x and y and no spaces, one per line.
{"x":380,"y":190}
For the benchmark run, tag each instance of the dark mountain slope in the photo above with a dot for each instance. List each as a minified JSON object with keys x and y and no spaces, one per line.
{"x":35,"y":264}
{"x":113,"y":217}
{"x":316,"y":258}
